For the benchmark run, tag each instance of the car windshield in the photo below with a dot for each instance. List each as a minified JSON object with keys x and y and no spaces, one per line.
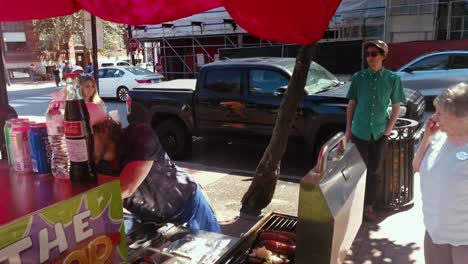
{"x":138,"y":71}
{"x":318,"y":78}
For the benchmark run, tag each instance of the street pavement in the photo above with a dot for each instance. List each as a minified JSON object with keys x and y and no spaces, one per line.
{"x":225,"y":171}
{"x":397,"y":237}
{"x":30,"y":100}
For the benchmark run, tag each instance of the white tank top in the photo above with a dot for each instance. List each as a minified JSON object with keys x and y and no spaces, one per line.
{"x":444,"y":189}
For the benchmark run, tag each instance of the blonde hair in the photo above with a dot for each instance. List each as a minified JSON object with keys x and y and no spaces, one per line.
{"x":95,"y":98}
{"x":454,"y":100}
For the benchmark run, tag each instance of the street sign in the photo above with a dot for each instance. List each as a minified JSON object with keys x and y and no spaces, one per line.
{"x":133,"y":44}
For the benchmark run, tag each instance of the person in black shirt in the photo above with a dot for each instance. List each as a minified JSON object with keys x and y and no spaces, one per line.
{"x":153,"y":187}
{"x":56,"y":73}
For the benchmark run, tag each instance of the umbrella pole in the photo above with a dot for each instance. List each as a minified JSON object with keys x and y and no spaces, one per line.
{"x":6,"y":111}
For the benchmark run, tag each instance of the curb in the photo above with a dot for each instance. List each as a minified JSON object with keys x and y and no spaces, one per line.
{"x":228,"y":171}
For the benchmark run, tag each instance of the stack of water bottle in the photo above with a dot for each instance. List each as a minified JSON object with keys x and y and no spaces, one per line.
{"x":39,"y":147}
{"x":27,"y":146}
{"x":62,"y":146}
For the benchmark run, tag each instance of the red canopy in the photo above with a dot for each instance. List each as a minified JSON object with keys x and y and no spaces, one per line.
{"x":292,"y":21}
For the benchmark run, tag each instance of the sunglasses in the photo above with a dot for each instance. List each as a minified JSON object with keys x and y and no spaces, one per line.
{"x":372,"y":54}
{"x":86,"y":76}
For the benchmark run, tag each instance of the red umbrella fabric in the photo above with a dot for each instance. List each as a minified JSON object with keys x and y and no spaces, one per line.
{"x":16,"y":10}
{"x":292,"y":21}
{"x":146,"y":12}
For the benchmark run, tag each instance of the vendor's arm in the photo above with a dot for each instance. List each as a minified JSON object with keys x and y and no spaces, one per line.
{"x":132,"y":175}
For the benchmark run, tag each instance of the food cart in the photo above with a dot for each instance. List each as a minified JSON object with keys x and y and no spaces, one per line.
{"x":48,"y":220}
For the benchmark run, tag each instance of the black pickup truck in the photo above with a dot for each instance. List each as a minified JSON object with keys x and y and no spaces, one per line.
{"x":240,"y":98}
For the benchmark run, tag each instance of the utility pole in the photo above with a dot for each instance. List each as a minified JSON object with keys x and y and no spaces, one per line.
{"x":6,"y":111}
{"x":130,"y":36}
{"x":94,"y":50}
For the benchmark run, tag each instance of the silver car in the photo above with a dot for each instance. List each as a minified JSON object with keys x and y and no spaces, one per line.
{"x":433,"y":72}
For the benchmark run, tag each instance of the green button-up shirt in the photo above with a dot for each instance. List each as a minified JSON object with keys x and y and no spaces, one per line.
{"x":373,"y":91}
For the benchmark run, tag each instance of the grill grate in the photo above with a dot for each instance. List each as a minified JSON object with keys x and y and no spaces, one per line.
{"x":273,"y":221}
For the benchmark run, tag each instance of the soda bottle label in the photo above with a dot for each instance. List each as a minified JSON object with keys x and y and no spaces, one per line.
{"x":77,"y":150}
{"x":74,"y":129}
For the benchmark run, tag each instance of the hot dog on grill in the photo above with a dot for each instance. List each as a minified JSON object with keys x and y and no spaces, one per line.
{"x":279,"y":247}
{"x":275,"y":237}
{"x":289,"y":235}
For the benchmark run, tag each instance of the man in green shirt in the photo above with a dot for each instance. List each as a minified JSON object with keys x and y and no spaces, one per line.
{"x":368,"y":123}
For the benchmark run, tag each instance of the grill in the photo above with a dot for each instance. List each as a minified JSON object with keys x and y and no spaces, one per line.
{"x":272,"y":221}
{"x":150,"y":243}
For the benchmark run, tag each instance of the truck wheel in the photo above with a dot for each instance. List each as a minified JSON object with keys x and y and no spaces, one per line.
{"x":174,"y":139}
{"x":122,"y":93}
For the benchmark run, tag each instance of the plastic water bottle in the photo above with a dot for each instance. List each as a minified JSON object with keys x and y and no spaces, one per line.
{"x":60,"y":163}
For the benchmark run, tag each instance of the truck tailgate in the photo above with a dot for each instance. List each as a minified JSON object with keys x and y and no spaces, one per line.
{"x":174,"y":85}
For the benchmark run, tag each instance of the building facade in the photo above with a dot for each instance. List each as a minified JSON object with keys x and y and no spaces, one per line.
{"x":178,"y":48}
{"x":20,"y":44}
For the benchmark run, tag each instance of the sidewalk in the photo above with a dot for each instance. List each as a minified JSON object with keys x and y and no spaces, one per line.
{"x":397,"y":238}
{"x":28,"y":85}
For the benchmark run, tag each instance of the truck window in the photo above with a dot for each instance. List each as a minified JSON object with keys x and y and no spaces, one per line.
{"x":266,"y":82}
{"x":226,"y":81}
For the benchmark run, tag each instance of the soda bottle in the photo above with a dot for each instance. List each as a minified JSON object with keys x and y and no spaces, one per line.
{"x":78,"y":135}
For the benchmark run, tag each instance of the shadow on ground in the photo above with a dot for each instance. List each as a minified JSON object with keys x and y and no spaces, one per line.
{"x":245,"y":156}
{"x":368,"y":249}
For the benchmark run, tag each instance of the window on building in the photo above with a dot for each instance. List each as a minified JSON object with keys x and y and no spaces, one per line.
{"x":12,"y":26}
{"x":15,"y":46}
{"x":411,"y":7}
{"x":15,"y":41}
{"x":226,"y":81}
{"x":266,"y":82}
{"x":459,"y":62}
{"x":436,"y":62}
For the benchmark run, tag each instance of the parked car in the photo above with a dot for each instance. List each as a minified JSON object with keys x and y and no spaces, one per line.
{"x":434,"y":72}
{"x":116,"y":81}
{"x":240,"y":98}
{"x":114,"y":63}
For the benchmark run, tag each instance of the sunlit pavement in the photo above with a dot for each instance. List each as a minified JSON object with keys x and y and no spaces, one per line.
{"x":396,"y":238}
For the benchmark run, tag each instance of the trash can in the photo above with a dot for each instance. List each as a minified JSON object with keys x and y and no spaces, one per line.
{"x":397,"y":183}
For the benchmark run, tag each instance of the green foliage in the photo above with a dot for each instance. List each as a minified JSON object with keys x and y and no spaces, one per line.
{"x":55,"y":34}
{"x":113,"y":38}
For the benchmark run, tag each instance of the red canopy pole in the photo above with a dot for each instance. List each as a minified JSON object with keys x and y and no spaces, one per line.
{"x":6,"y":111}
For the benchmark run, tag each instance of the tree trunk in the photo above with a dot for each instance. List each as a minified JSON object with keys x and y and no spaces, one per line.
{"x":262,"y":188}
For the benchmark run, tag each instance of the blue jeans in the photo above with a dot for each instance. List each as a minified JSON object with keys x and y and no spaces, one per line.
{"x":198,"y":214}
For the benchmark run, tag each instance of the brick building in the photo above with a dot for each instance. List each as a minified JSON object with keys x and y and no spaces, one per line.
{"x":20,"y":45}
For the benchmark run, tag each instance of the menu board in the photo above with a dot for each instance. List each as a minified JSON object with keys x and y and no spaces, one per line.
{"x":87,"y":228}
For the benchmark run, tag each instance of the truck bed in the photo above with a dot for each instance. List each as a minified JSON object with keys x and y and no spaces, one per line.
{"x":174,"y":85}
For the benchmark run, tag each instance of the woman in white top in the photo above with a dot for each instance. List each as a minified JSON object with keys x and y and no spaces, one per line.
{"x":442,"y":162}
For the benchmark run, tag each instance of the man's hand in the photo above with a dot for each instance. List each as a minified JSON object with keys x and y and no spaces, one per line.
{"x":430,"y":128}
{"x":347,"y":136}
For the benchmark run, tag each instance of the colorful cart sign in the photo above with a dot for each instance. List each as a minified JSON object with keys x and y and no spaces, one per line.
{"x":87,"y":228}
